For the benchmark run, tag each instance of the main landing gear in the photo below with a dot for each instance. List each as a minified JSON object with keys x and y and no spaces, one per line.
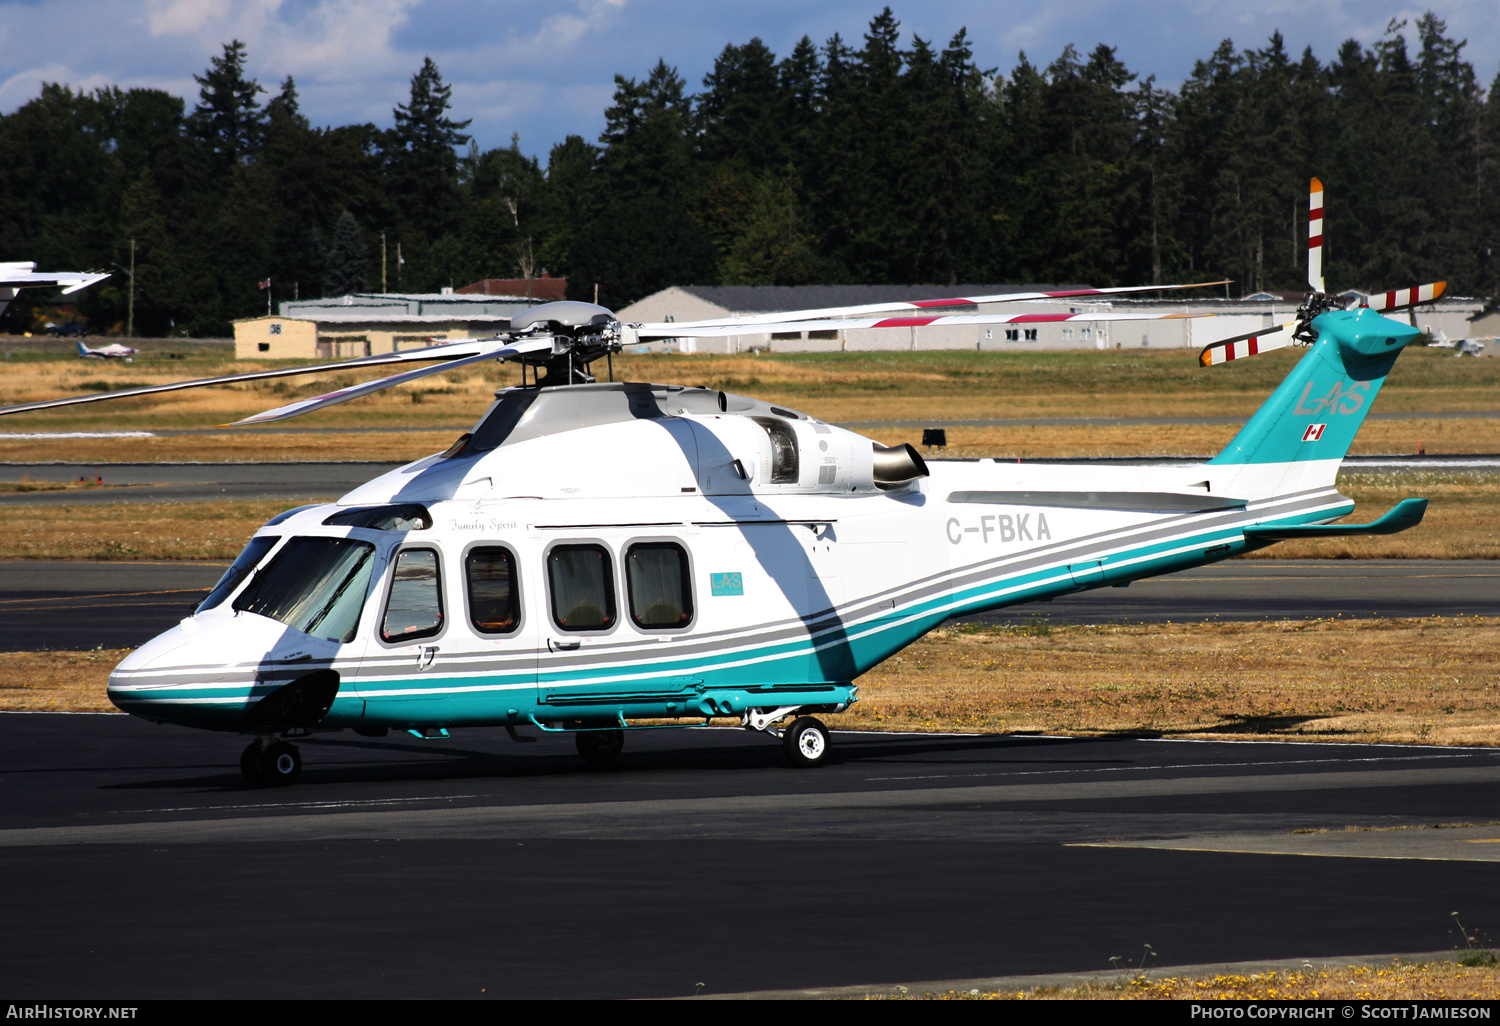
{"x":805,"y":741}
{"x":599,"y":748}
{"x":272,"y":764}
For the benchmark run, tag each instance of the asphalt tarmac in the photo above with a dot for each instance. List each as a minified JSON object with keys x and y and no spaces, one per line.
{"x":121,"y":605}
{"x":139,"y":866}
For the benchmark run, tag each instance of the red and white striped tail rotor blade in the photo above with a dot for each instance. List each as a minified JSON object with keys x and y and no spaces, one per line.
{"x":1251,"y":344}
{"x":1315,"y":237}
{"x":1402,"y":298}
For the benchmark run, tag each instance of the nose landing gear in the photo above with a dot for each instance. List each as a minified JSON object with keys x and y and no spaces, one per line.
{"x":270,"y":765}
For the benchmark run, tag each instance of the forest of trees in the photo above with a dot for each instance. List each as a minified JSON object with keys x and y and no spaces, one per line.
{"x":883,"y":163}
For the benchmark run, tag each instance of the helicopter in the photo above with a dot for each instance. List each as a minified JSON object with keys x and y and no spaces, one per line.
{"x":598,"y":557}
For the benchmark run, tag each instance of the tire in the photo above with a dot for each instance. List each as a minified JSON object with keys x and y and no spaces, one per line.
{"x":599,"y":748}
{"x":280,"y":764}
{"x":250,"y":764}
{"x":806,"y":742}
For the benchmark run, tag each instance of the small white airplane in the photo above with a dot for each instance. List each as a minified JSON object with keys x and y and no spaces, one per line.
{"x":113,"y":351}
{"x":593,"y":555}
{"x":1460,"y":346}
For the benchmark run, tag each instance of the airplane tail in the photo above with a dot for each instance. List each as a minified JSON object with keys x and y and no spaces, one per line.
{"x":83,"y":350}
{"x":1298,"y":438}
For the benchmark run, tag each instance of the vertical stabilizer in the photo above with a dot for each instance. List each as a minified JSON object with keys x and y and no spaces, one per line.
{"x":1316,"y":411}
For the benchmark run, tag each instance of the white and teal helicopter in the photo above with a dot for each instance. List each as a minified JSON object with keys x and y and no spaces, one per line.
{"x":595,"y":554}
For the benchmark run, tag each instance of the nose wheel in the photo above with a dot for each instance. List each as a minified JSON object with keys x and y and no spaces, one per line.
{"x":270,"y":765}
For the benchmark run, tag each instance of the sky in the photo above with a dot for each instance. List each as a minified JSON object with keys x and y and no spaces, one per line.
{"x":544,"y":71}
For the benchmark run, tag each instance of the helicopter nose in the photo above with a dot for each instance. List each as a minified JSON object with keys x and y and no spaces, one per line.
{"x":195,"y":674}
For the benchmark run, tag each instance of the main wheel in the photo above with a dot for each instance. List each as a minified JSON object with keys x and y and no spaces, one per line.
{"x":599,"y":747}
{"x":805,"y":742}
{"x":250,"y":763}
{"x":279,"y":764}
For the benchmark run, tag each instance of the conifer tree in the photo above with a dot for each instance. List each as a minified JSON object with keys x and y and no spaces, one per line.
{"x":347,"y":260}
{"x":229,"y":120}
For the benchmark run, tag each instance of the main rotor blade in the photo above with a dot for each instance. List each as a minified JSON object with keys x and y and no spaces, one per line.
{"x":343,"y":395}
{"x":1315,"y":236}
{"x":22,"y":276}
{"x":920,"y":304}
{"x":1251,"y":344}
{"x":448,"y":351}
{"x":716,"y":330}
{"x":1400,"y":299}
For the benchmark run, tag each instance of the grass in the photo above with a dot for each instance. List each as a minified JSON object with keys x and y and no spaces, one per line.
{"x":1432,"y":681}
{"x":1463,"y":522}
{"x":1428,"y":981}
{"x":135,"y":531}
{"x":955,"y":385}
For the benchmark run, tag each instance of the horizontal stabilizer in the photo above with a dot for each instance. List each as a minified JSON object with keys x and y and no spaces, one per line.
{"x":1406,"y":513}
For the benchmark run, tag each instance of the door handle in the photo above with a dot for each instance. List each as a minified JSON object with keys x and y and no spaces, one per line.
{"x":425,"y":655}
{"x":560,"y":645}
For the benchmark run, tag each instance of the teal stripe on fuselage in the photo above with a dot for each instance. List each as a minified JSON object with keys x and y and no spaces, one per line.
{"x":475,"y":699}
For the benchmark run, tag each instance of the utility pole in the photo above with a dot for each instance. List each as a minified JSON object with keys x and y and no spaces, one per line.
{"x":130,"y":315}
{"x":382,"y":263}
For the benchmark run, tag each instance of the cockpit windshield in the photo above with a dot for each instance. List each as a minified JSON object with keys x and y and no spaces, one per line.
{"x":243,"y":564}
{"x":313,"y":585}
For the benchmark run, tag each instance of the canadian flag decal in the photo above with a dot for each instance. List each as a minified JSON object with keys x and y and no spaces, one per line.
{"x":1313,"y":432}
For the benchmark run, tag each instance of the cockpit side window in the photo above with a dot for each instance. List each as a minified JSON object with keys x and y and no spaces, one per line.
{"x":313,"y":585}
{"x":415,"y":606}
{"x":247,"y":561}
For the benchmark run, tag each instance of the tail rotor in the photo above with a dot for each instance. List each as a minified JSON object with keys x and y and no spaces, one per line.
{"x":1300,"y":332}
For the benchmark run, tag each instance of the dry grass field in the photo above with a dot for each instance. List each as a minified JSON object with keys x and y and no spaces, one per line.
{"x":423,"y":417}
{"x":1463,"y":522}
{"x":1433,"y":681}
{"x":1428,"y":981}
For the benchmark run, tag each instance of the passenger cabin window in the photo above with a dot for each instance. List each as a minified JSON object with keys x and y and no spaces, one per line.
{"x":661,"y":591}
{"x":415,"y":607}
{"x":583,"y":589}
{"x":494,"y":601}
